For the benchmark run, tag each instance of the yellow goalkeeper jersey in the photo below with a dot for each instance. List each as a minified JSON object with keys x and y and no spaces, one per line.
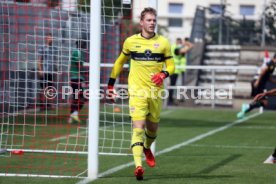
{"x":148,"y":57}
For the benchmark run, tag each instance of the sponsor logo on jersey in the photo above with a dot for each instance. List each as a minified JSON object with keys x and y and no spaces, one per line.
{"x":148,"y":53}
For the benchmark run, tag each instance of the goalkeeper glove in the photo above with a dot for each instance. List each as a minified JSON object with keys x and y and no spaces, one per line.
{"x":111,"y":94}
{"x":158,"y":78}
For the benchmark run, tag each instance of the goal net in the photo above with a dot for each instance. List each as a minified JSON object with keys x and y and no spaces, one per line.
{"x":38,"y":136}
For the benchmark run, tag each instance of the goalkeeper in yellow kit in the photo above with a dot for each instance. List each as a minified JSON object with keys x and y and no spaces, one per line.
{"x":148,"y":52}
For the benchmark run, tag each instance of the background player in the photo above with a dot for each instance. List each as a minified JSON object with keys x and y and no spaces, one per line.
{"x":179,"y":60}
{"x":258,"y":87}
{"x":262,"y":99}
{"x":77,"y":81}
{"x":47,"y":66}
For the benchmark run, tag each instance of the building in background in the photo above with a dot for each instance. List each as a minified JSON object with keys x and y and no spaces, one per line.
{"x":178,"y":15}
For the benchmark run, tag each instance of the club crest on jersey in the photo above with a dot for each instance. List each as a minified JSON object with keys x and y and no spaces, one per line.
{"x":148,"y":53}
{"x":156,"y":45}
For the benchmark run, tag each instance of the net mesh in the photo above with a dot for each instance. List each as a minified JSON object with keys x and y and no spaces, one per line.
{"x":36,"y":120}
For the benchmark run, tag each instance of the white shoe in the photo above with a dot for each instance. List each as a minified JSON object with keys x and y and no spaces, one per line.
{"x":270,"y":160}
{"x":76,"y":118}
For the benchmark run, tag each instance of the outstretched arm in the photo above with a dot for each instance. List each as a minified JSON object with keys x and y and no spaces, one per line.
{"x":187,"y":46}
{"x":170,"y":67}
{"x":262,"y":95}
{"x":158,"y":78}
{"x":271,"y":92}
{"x":119,"y":63}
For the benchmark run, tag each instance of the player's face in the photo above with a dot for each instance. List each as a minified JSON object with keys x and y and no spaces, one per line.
{"x":148,"y":23}
{"x":178,"y":42}
{"x":49,"y":40}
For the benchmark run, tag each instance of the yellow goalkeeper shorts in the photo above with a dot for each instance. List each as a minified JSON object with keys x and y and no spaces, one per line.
{"x":142,"y":108}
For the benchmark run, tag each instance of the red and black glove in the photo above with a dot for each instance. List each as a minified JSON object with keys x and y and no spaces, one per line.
{"x":111,"y":93}
{"x":158,"y":78}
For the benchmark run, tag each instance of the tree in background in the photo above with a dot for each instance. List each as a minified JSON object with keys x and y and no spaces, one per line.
{"x":270,"y":15}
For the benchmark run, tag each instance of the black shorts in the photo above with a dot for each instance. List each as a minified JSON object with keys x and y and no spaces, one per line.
{"x":46,"y":80}
{"x":77,"y":84}
{"x":258,"y":90}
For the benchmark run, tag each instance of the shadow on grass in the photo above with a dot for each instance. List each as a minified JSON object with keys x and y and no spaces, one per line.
{"x":185,"y":176}
{"x":185,"y":122}
{"x":168,"y":177}
{"x":202,"y":174}
{"x":219,"y":164}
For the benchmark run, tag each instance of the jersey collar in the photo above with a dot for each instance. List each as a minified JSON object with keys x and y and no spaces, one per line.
{"x":155,"y":35}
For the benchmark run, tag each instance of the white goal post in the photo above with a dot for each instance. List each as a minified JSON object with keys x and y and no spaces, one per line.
{"x":94,"y":83}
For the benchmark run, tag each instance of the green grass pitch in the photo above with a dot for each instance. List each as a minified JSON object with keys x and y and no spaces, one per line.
{"x":233,"y":155}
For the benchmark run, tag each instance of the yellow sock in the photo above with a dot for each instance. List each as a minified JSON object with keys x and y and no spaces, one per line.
{"x":150,"y":137}
{"x":137,"y":145}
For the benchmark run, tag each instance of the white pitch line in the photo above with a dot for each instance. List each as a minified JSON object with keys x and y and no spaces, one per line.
{"x":231,"y":146}
{"x":166,"y":112}
{"x":66,"y":136}
{"x":207,"y":134}
{"x":258,"y":127}
{"x":177,"y":146}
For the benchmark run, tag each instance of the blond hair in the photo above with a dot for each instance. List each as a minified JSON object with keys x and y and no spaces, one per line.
{"x":147,"y":10}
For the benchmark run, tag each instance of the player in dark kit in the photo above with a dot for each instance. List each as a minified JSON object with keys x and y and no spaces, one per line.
{"x":258,"y":87}
{"x":262,"y":98}
{"x":77,"y":81}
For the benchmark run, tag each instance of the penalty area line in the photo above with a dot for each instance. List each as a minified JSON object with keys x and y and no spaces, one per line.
{"x":177,"y":146}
